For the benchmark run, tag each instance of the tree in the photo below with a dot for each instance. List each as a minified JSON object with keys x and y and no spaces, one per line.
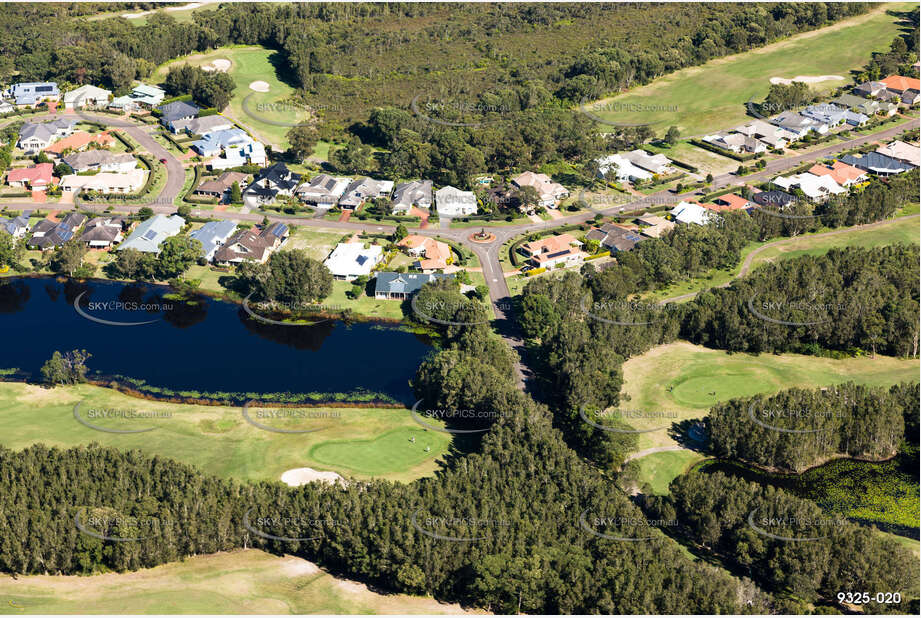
{"x":709,"y":178}
{"x":68,"y":257}
{"x":145,"y":212}
{"x":236,"y":196}
{"x":529,"y":197}
{"x":177,"y":254}
{"x":67,"y":368}
{"x":302,"y":139}
{"x":352,"y":158}
{"x":11,"y":250}
{"x":184,"y":211}
{"x":400,"y":233}
{"x":289,"y":277}
{"x":672,"y":135}
{"x":133,"y":264}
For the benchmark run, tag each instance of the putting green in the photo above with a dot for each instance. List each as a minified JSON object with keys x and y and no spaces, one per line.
{"x":390,"y":452}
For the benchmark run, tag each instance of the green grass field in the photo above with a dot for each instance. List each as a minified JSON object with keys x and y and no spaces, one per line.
{"x":659,"y":469}
{"x":699,"y":100}
{"x":358,"y":442}
{"x":689,"y":379}
{"x":250,"y":64}
{"x":239,"y":582}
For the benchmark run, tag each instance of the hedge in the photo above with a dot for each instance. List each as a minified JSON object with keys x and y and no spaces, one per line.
{"x":183,"y":149}
{"x":195,"y":182}
{"x":124,"y":140}
{"x":684,"y":165}
{"x":722,"y":151}
{"x":536,"y":271}
{"x":710,"y":196}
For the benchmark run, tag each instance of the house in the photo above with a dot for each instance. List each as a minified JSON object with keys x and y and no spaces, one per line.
{"x":907,"y":153}
{"x":103,"y":232}
{"x":691,"y":212}
{"x":503,"y":196}
{"x":271,"y":182}
{"x":910,"y":96}
{"x":452,"y":202}
{"x":855,"y":119}
{"x":730,"y":201}
{"x":202,"y":126}
{"x":86,"y":96}
{"x":771,"y":136}
{"x":868,"y":107}
{"x":897,"y":84}
{"x":6,"y":107}
{"x":774,"y":199}
{"x":416,"y":193}
{"x":616,"y":238}
{"x":400,"y":286}
{"x":100,"y":160}
{"x":33,"y":93}
{"x":548,"y":192}
{"x":252,"y":245}
{"x":828,"y":114}
{"x":142,"y":95}
{"x":364,"y":189}
{"x":736,"y":142}
{"x":221,"y":186}
{"x":106,"y":182}
{"x":79,"y":141}
{"x":149,"y":234}
{"x":814,"y":187}
{"x":888,"y":109}
{"x":251,"y":153}
{"x":38,"y":177}
{"x":212,"y":236}
{"x":798,"y":124}
{"x":877,"y":163}
{"x":433,"y":254}
{"x":177,"y":111}
{"x":842,"y":173}
{"x":654,"y":226}
{"x":623,"y":170}
{"x":350,"y":260}
{"x":323,"y":191}
{"x":48,"y":234}
{"x":36,"y":136}
{"x":656,"y":164}
{"x":215,"y":142}
{"x":18,"y":225}
{"x":553,"y":251}
{"x":870,"y":89}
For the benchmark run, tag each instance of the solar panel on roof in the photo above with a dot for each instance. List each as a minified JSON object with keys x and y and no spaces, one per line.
{"x":150,"y":235}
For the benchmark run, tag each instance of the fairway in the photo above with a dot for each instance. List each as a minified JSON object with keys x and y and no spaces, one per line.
{"x":700,"y":100}
{"x":268,"y":115}
{"x":688,"y":379}
{"x":658,"y":469}
{"x":239,"y":582}
{"x":218,"y":440}
{"x":903,"y":231}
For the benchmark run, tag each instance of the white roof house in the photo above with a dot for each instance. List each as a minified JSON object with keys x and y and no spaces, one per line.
{"x":148,"y":235}
{"x":815,"y":187}
{"x":87,"y":95}
{"x":452,"y":202}
{"x":622,"y":168}
{"x":689,"y":212}
{"x":106,"y":182}
{"x":903,"y":151}
{"x":657,"y":164}
{"x":350,"y":260}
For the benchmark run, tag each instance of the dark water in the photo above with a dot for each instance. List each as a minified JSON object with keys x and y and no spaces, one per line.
{"x":205,"y":345}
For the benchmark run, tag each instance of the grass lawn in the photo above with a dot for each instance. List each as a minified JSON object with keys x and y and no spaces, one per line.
{"x":364,"y":305}
{"x":705,"y":160}
{"x":217,"y":440}
{"x":659,"y":469}
{"x":250,"y":64}
{"x":239,"y":582}
{"x":317,"y":242}
{"x":689,"y":379}
{"x":699,"y":100}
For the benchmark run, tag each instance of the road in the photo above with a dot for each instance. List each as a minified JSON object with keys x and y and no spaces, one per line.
{"x":487,"y":253}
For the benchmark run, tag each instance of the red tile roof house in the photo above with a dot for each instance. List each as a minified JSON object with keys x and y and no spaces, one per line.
{"x":906,"y":88}
{"x":79,"y":141}
{"x":39,"y":176}
{"x":729,"y":201}
{"x":842,"y":173}
{"x":555,"y":250}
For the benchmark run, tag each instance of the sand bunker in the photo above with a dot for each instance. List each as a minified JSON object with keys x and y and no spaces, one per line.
{"x":295,"y":567}
{"x":259,"y":86}
{"x":221,"y":65}
{"x":302,"y":476}
{"x":806,"y":79}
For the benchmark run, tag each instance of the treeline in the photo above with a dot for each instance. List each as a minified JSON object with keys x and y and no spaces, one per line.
{"x":848,"y":299}
{"x":797,"y":429}
{"x":765,"y":532}
{"x":902,"y":53}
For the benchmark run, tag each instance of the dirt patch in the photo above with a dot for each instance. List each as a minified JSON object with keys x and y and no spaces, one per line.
{"x":301,"y":476}
{"x":296,"y":567}
{"x":806,"y":79}
{"x":259,"y":86}
{"x":221,"y":65}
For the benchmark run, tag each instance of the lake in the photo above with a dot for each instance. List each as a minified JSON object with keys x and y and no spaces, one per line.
{"x":205,"y":346}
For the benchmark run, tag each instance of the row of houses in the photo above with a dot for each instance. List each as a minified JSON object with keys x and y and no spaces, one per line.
{"x":30,"y":94}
